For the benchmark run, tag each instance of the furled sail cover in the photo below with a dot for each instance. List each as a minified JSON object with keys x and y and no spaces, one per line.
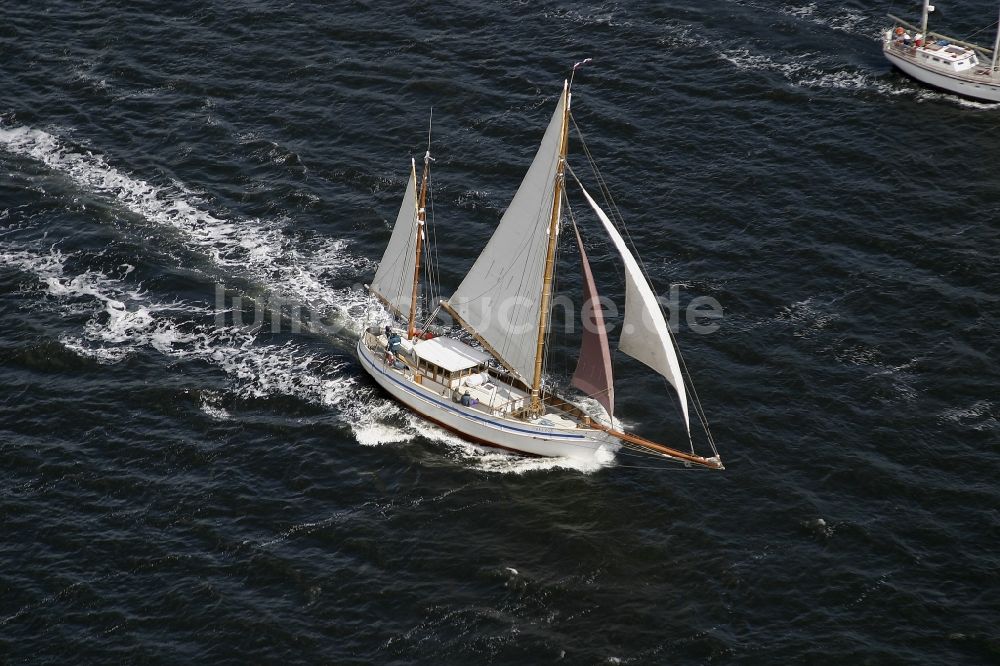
{"x":500,"y":297}
{"x":593,"y":369}
{"x":644,"y":331}
{"x":394,"y":277}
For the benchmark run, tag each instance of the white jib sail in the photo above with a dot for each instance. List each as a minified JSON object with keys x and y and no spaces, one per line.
{"x":644,"y":334}
{"x":500,"y":297}
{"x":394,"y":278}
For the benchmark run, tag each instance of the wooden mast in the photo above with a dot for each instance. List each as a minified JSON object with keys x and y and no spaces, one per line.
{"x":543,"y":318}
{"x":421,"y":219}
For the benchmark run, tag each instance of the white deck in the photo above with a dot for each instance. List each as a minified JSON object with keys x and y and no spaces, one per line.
{"x":499,"y":398}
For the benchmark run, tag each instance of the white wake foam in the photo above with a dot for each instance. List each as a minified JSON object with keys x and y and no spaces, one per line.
{"x":125,"y":320}
{"x":259,"y":250}
{"x":45,"y":266}
{"x":850,"y":21}
{"x":210,"y":405}
{"x":804,"y":70}
{"x":981,"y":415}
{"x":806,"y":317}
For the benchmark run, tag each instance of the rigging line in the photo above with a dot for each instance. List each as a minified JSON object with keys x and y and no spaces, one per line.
{"x":439,"y":294}
{"x":614,"y":264}
{"x":616,"y":216}
{"x":603,"y":185}
{"x":613,"y":206}
{"x":434,"y":278}
{"x":429,"y":284}
{"x":429,"y":320}
{"x":692,"y":468}
{"x":991,"y":25}
{"x":637,"y":452}
{"x":427,"y":296}
{"x":437,"y":261}
{"x":665,"y":461}
{"x":426,"y":268}
{"x":430,"y":125}
{"x":576,"y":229}
{"x":556,"y":285}
{"x":553,"y":290}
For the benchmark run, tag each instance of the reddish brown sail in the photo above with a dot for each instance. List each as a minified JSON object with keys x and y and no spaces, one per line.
{"x":593,"y":370}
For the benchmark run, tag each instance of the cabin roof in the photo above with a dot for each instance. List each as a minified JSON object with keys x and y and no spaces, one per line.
{"x":450,"y":354}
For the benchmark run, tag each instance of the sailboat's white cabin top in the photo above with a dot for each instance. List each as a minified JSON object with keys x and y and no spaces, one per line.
{"x":940,"y":54}
{"x":449,"y":354}
{"x":950,"y":56}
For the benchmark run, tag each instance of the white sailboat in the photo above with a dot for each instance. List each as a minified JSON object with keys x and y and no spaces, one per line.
{"x":495,"y":395}
{"x":944,"y":62}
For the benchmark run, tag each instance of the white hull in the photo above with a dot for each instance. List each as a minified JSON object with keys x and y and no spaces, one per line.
{"x":977,"y":87}
{"x":579,"y":444}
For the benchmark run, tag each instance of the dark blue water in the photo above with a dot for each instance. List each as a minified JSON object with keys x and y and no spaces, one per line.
{"x":179,"y":484}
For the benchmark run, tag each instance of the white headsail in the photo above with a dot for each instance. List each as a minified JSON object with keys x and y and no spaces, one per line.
{"x":394,"y":277}
{"x":500,"y":297}
{"x":644,"y":334}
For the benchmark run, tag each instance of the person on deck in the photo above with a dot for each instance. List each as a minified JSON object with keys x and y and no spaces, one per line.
{"x":466,"y":399}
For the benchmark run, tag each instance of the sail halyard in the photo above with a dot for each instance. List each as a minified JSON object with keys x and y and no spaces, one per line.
{"x":394,"y":281}
{"x":546,"y":297}
{"x":499,"y":299}
{"x":645,"y":336}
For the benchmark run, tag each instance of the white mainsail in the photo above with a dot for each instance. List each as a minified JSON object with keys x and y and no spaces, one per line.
{"x":644,"y":334}
{"x":394,"y":278}
{"x":500,"y":297}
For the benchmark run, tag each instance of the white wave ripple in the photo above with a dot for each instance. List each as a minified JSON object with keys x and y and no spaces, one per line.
{"x":255,"y":249}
